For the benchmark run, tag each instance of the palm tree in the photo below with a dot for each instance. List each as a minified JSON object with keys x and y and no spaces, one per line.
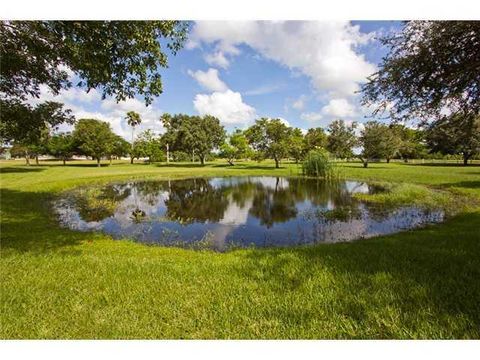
{"x":133,"y":119}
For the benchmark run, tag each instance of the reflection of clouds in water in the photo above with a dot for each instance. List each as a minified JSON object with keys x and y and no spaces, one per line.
{"x":236,"y":215}
{"x":265,"y":181}
{"x":273,"y":183}
{"x":69,"y":216}
{"x":220,"y":233}
{"x":123,"y":215}
{"x":227,"y":211}
{"x":356,"y":187}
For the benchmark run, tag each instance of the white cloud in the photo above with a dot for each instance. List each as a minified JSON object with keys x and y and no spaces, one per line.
{"x":263,"y":89}
{"x":284,"y":121}
{"x":299,"y":104}
{"x":311,"y":116}
{"x":338,"y":108}
{"x":323,"y":51}
{"x":227,"y":106}
{"x":334,"y":109}
{"x":217,"y":59}
{"x":209,"y":79}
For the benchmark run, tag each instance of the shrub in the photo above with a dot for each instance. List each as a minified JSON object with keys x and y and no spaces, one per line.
{"x":319,"y":164}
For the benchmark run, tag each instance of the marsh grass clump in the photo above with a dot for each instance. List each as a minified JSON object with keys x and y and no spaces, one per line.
{"x":394,"y":195}
{"x":319,"y":164}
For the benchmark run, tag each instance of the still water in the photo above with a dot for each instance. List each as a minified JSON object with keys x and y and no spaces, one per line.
{"x":232,"y":212}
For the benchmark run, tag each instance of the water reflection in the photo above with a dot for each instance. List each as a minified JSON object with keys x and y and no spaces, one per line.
{"x":221,"y":213}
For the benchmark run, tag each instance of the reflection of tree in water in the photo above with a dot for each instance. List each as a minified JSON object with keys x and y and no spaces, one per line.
{"x":96,"y":204}
{"x":151,"y":190}
{"x":321,"y":193}
{"x":275,"y":205}
{"x":195,"y":200}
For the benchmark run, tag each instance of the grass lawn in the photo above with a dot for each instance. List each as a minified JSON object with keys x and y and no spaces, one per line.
{"x":57,"y":283}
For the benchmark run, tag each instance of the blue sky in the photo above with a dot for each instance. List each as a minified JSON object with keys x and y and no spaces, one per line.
{"x":306,"y":73}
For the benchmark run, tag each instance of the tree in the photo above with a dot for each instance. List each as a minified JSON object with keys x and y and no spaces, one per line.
{"x":133,"y":119}
{"x":235,"y":147}
{"x":239,"y":141}
{"x":118,"y":147}
{"x":270,"y":138}
{"x":228,"y":152}
{"x":93,"y":138}
{"x":455,"y":134}
{"x":29,"y":125}
{"x":341,"y":139}
{"x":431,"y":65}
{"x":61,"y":146}
{"x":412,"y":144}
{"x":193,"y":134}
{"x":296,"y":145}
{"x":379,"y":141}
{"x":122,"y":58}
{"x":392,"y":141}
{"x":148,"y":145}
{"x":314,"y":139}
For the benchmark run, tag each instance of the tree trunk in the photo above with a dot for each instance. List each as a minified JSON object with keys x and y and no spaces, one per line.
{"x":131,"y":159}
{"x":110,"y":160}
{"x":276,"y":163}
{"x":466,"y":156}
{"x":98,"y":162}
{"x":27,"y":160}
{"x":168,"y":154}
{"x":365,"y":164}
{"x":388,"y":160}
{"x":202,"y":159}
{"x":36,"y":159}
{"x":230,"y":162}
{"x":64,"y":162}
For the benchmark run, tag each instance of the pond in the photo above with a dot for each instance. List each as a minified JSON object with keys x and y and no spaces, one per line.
{"x":232,"y":212}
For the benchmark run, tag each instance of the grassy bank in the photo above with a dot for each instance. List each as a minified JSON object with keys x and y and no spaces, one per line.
{"x":57,"y":283}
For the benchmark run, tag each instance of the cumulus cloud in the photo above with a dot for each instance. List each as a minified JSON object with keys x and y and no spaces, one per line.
{"x":334,"y":109}
{"x":311,"y":116}
{"x":338,"y":108}
{"x":217,"y":59}
{"x":299,"y":104}
{"x":323,"y":51}
{"x":227,"y":106}
{"x":209,"y":79}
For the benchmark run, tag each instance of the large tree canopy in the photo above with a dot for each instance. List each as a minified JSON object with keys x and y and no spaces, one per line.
{"x":431,"y":66}
{"x":341,"y":139}
{"x":122,"y":58}
{"x":378,"y":141}
{"x":193,"y":134}
{"x":270,"y":138}
{"x":93,"y":138}
{"x":25,"y":124}
{"x":455,"y":134}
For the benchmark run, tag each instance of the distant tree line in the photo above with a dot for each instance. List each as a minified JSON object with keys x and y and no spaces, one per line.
{"x":192,"y":138}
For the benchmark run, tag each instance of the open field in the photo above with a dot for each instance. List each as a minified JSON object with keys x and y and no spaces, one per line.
{"x":58,"y":283}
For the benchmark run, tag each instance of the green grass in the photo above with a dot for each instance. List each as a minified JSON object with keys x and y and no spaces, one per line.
{"x":57,"y":283}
